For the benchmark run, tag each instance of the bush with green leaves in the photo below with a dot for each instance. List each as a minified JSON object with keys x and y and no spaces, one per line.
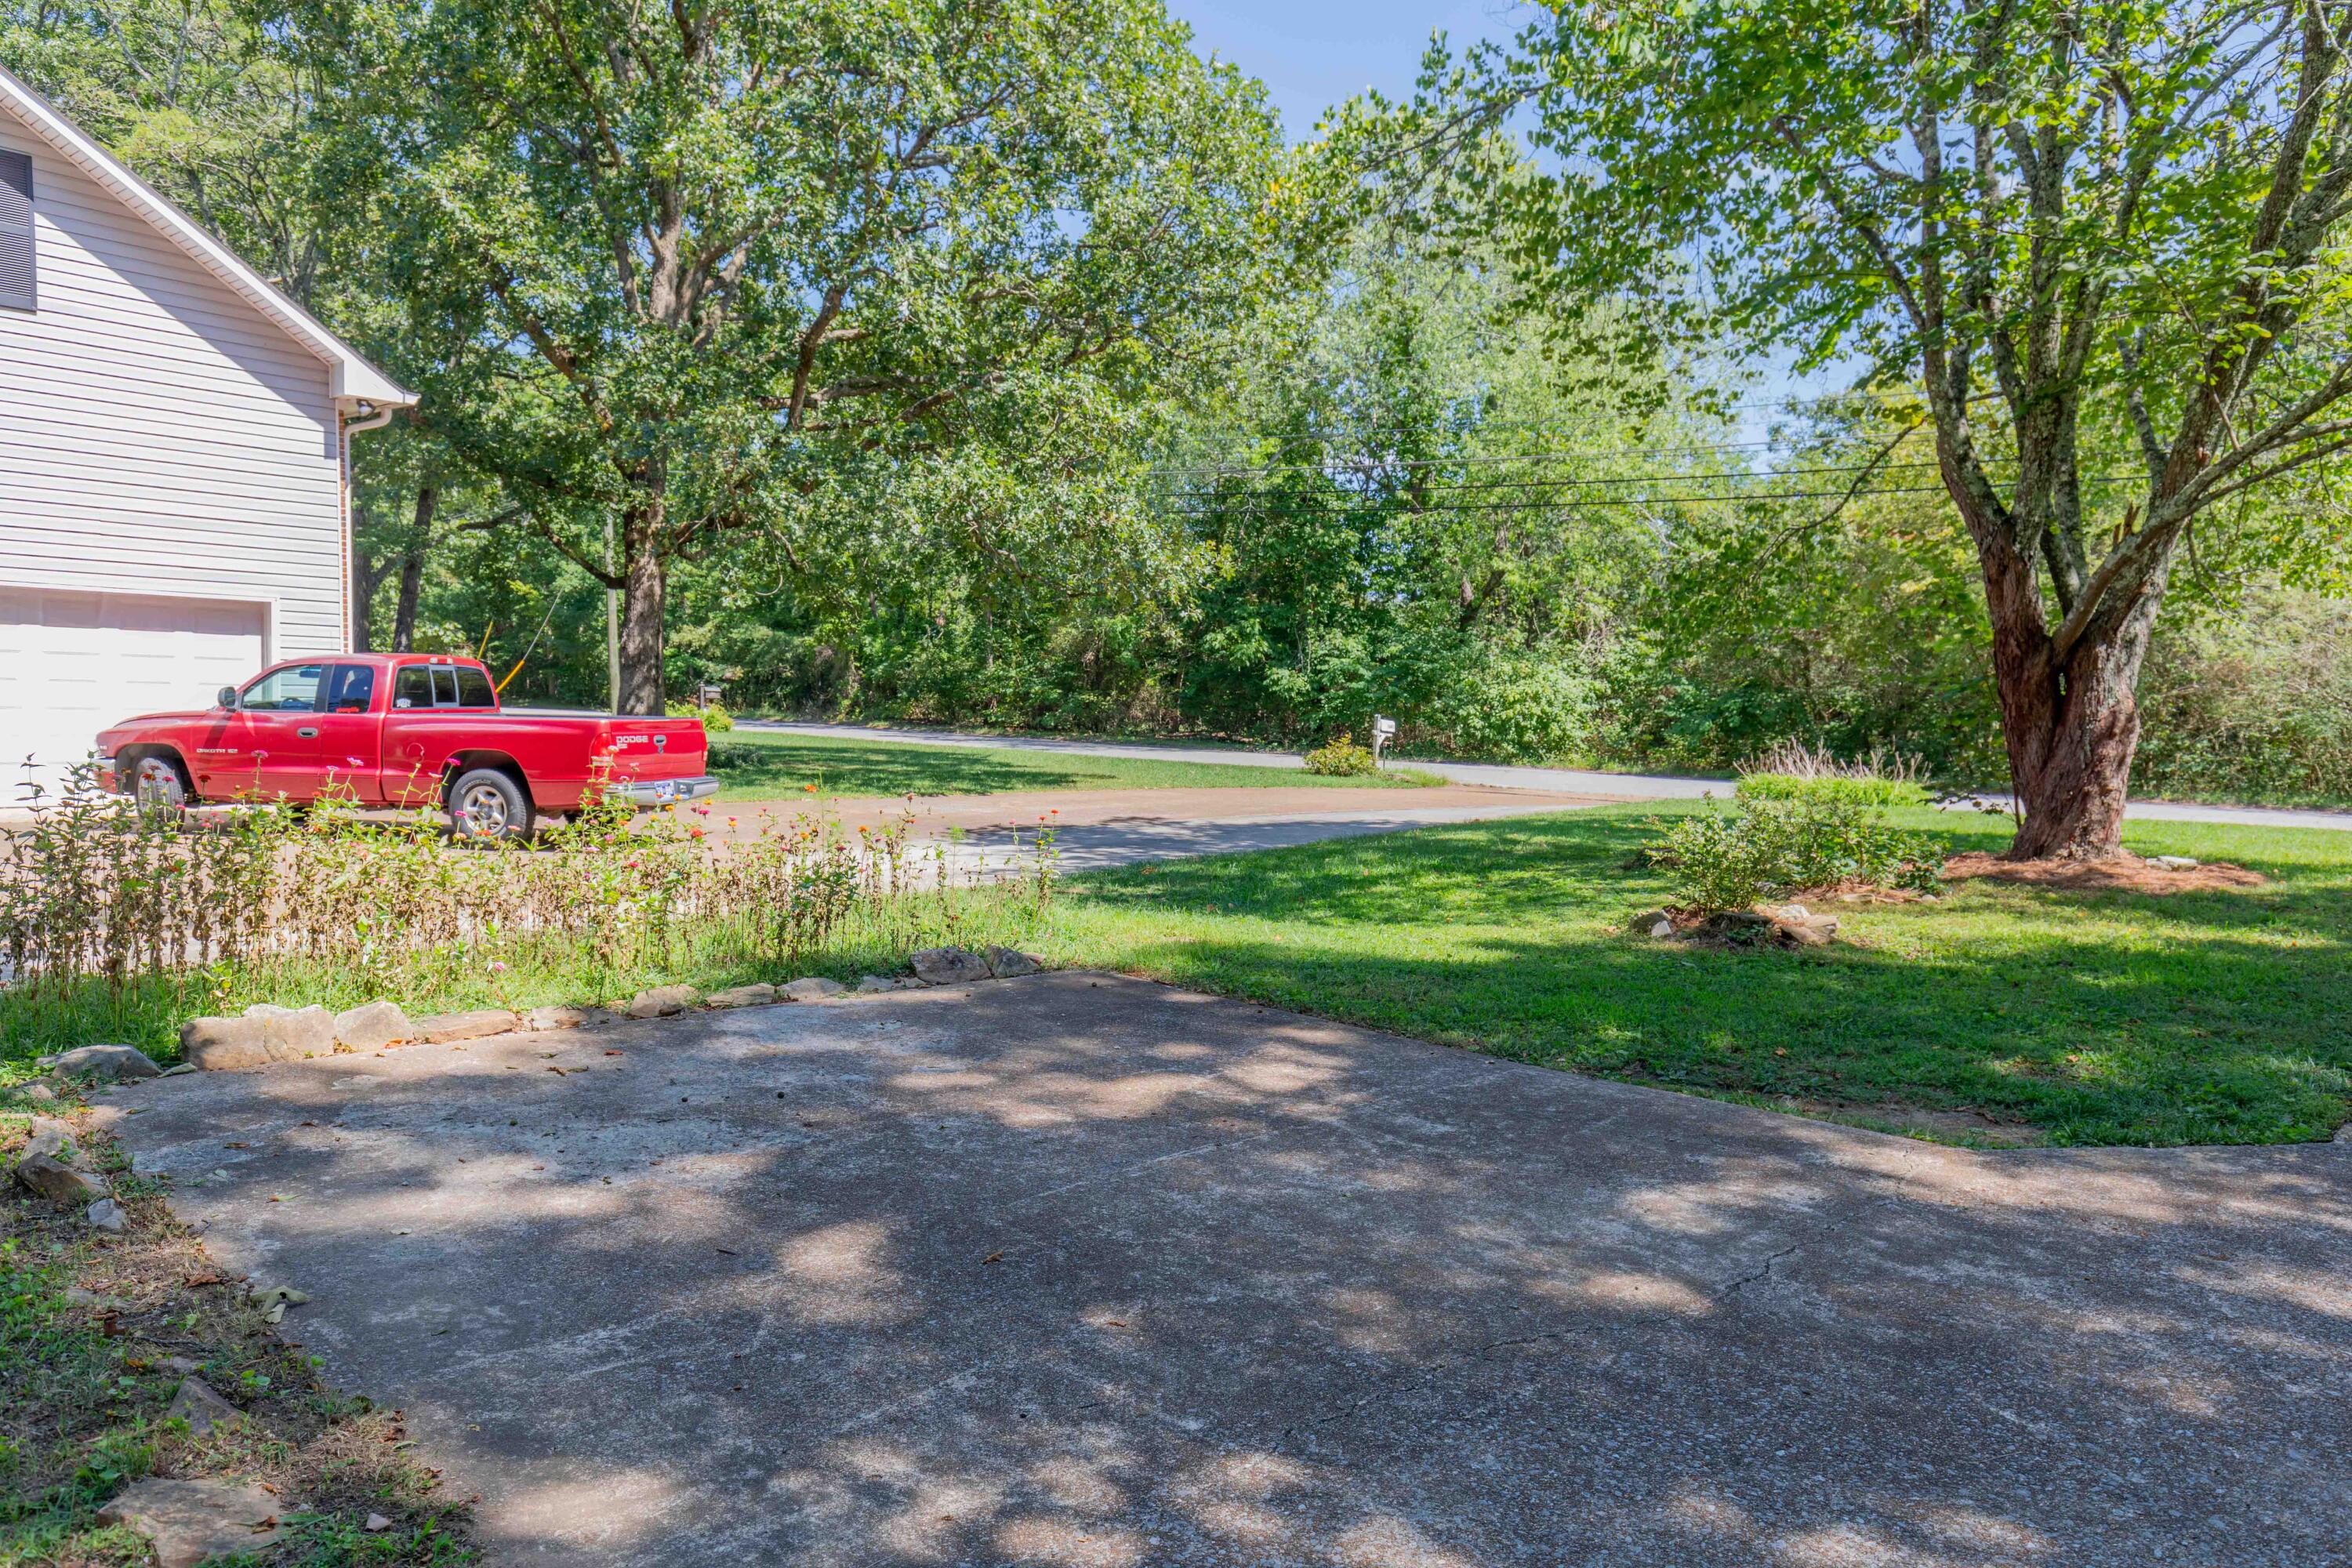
{"x":1342,"y":758}
{"x":715,"y":721}
{"x":1774,"y":848}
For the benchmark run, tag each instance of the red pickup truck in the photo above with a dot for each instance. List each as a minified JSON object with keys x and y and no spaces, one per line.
{"x":402,"y":730}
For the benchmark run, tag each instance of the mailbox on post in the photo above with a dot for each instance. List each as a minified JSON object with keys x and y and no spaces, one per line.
{"x":1383,"y":731}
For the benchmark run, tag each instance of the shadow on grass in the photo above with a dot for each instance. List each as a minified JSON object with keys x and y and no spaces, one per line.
{"x":2098,"y":1018}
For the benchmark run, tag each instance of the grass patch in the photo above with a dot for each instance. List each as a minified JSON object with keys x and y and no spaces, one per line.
{"x":755,"y":766}
{"x":2094,"y":1017}
{"x":96,"y":1333}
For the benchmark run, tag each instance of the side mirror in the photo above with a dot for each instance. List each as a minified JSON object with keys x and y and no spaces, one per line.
{"x":228,"y":698}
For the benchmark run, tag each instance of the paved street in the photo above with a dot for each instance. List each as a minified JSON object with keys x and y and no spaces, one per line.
{"x":1572,"y":781}
{"x":1079,"y":1269}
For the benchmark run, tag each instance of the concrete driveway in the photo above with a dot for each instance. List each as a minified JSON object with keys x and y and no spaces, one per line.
{"x":1079,"y":1269}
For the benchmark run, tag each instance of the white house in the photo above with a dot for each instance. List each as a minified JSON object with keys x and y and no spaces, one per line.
{"x":173,"y":438}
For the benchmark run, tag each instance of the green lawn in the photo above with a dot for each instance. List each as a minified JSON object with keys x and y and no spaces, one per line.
{"x":756,"y":765}
{"x":2096,"y":1018}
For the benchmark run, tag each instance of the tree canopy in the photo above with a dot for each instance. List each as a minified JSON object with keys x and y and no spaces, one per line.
{"x":680,"y":271}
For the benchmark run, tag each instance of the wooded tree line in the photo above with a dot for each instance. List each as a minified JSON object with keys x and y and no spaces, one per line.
{"x":994,"y":359}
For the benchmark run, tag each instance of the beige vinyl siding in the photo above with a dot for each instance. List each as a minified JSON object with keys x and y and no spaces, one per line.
{"x":158,"y":434}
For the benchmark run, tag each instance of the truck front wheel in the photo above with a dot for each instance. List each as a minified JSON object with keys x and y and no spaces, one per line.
{"x":160,"y":786}
{"x":487,"y":805}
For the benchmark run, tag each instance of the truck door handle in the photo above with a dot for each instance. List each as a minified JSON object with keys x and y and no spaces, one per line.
{"x":307,"y":730}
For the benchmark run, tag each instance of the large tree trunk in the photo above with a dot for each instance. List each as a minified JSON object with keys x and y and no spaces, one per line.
{"x":2071,"y":725}
{"x":367,"y":575}
{"x":642,"y":595}
{"x":412,"y":570}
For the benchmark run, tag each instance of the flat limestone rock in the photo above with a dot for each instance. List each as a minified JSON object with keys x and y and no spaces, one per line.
{"x":200,"y":1408}
{"x":558,"y":1019}
{"x":441,"y":1028}
{"x":1005,"y":963}
{"x":262,"y":1034}
{"x":754,"y":995}
{"x":106,"y":1215}
{"x":102,"y":1061}
{"x":371,"y":1025}
{"x":948,"y":966}
{"x":814,"y":988}
{"x":59,"y":1182}
{"x":662,"y":1001}
{"x":298,"y":1034}
{"x":54,"y":1139}
{"x":224,"y":1045}
{"x":191,"y":1522}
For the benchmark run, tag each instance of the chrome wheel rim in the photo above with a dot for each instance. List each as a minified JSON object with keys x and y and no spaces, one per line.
{"x":484,"y":811}
{"x":158,"y":787}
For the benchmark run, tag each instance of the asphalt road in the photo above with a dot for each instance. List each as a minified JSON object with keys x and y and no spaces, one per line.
{"x":1572,"y":781}
{"x":1079,"y":1269}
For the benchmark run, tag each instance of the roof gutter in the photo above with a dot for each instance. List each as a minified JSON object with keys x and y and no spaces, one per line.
{"x":376,"y":418}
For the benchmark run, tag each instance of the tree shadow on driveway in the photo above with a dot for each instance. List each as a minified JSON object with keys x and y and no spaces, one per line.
{"x":1081,"y":1269}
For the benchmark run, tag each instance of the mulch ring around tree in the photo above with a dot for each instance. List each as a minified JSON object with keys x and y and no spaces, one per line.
{"x":2118,"y":874}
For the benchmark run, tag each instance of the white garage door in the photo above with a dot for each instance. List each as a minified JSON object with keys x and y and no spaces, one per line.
{"x":72,"y":663}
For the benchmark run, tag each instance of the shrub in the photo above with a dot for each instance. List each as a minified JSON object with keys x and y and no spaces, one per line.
{"x":102,"y":905}
{"x":1342,"y":758}
{"x":1774,"y":848}
{"x":715,"y":721}
{"x":1849,"y":792}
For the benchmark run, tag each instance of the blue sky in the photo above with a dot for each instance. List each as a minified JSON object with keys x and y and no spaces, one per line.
{"x":1313,"y":53}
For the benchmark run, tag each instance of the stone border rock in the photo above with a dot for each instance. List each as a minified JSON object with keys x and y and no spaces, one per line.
{"x":52,"y":1164}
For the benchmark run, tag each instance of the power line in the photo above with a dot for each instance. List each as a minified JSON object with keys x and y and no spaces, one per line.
{"x":1338,"y":505}
{"x":1382,"y":460}
{"x":1378,"y":461}
{"x":1673,"y":477}
{"x":1590,"y":502}
{"x":1561,"y":422}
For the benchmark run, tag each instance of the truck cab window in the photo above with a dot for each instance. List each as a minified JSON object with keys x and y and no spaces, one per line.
{"x":293,"y":690}
{"x":474,"y":689}
{"x":350,"y":689}
{"x":413,"y":687}
{"x":445,"y":686}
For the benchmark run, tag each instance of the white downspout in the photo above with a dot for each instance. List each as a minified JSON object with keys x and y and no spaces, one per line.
{"x":374,"y":419}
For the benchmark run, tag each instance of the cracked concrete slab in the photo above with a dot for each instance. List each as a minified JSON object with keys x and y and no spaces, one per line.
{"x":1079,"y":1269}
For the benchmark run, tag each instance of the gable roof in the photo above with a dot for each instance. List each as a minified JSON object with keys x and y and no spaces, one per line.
{"x":351,"y":378}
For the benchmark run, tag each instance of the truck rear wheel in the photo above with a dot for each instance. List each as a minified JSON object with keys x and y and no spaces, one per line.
{"x":487,"y":805}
